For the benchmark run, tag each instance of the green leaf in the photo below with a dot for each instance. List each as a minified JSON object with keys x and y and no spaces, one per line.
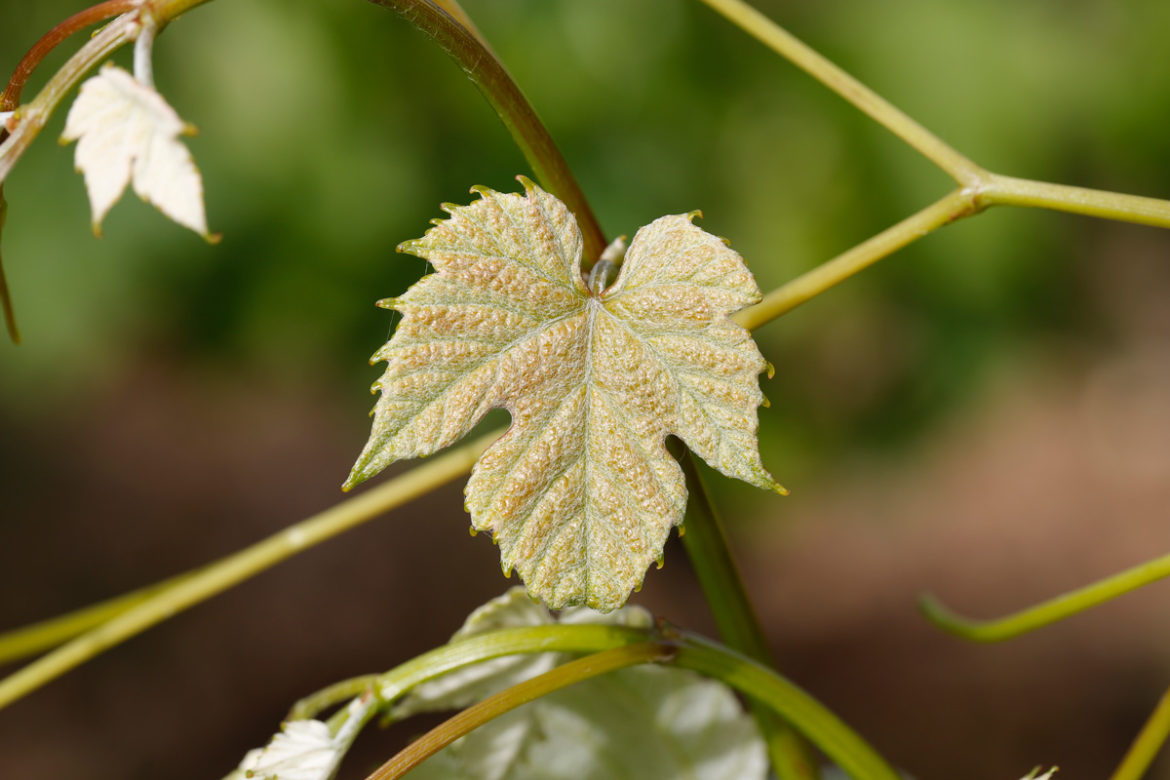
{"x":643,"y":722}
{"x":580,"y":493}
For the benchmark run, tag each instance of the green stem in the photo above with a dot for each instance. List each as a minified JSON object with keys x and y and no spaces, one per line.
{"x":1048,"y":612}
{"x":514,"y":110}
{"x":315,"y":703}
{"x":954,"y":206}
{"x":824,"y":729}
{"x":31,"y":118}
{"x":492,"y":707}
{"x":1147,"y":744}
{"x":706,"y":544}
{"x":5,"y":293}
{"x":1011,"y":191}
{"x":238,"y":567}
{"x":860,"y":96}
{"x":30,"y":640}
{"x":10,"y":98}
{"x":586,"y":638}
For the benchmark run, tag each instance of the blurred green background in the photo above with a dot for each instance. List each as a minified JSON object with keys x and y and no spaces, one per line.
{"x":987,"y":413}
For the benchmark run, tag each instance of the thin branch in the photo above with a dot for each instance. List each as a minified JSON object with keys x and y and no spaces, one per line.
{"x":5,"y":292}
{"x":30,"y":118}
{"x":1011,"y":191}
{"x":30,"y":640}
{"x":1147,"y":745}
{"x":514,"y":110}
{"x":707,"y":545}
{"x":1045,"y":613}
{"x":956,"y":205}
{"x":10,"y":99}
{"x":779,"y":40}
{"x":240,"y":566}
{"x":830,"y":734}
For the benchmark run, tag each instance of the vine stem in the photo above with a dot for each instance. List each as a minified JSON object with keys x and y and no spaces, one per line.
{"x":836,"y":740}
{"x":956,"y":205}
{"x":707,"y":546}
{"x":10,"y":98}
{"x":862,"y":97}
{"x":465,"y":651}
{"x":235,"y":568}
{"x":30,"y":118}
{"x":1045,"y":613}
{"x":1147,"y":744}
{"x":29,"y":641}
{"x":492,"y":707}
{"x":1010,"y":191}
{"x":5,"y":293}
{"x":465,"y":46}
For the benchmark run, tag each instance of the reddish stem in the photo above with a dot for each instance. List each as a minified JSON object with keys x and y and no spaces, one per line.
{"x":79,"y":21}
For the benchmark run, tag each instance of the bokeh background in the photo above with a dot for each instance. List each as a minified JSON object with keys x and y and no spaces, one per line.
{"x":985,"y":414}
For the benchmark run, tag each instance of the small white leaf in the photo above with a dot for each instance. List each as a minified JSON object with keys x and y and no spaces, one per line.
{"x":305,"y":749}
{"x":127,"y":132}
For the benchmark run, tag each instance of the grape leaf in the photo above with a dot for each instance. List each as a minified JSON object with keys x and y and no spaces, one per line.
{"x":126,"y":131}
{"x":643,"y":722}
{"x":580,"y":493}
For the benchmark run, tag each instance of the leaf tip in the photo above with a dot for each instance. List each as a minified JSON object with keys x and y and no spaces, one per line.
{"x":770,"y":369}
{"x":691,"y":215}
{"x":212,"y":238}
{"x":528,"y":184}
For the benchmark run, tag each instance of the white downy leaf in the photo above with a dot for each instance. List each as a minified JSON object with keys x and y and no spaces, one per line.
{"x":305,"y":749}
{"x":127,"y":132}
{"x":645,"y":722}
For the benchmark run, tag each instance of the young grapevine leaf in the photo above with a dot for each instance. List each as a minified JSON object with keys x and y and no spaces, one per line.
{"x":643,"y":722}
{"x":127,"y":132}
{"x":580,"y":493}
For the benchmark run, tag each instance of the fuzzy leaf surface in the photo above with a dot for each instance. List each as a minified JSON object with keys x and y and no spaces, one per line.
{"x":126,"y":132}
{"x":580,"y":493}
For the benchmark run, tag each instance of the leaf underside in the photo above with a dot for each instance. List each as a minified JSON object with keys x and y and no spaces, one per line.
{"x":128,"y":134}
{"x":580,"y":493}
